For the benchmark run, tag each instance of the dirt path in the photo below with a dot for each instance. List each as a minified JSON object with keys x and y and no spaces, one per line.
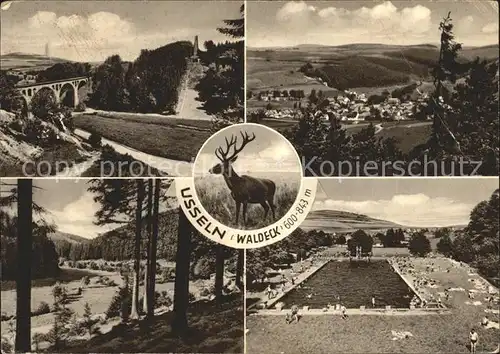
{"x":190,"y":108}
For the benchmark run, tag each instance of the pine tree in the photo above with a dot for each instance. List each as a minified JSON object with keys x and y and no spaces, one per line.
{"x":446,"y":69}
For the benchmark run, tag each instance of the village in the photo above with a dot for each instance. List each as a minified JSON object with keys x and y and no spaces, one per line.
{"x":349,"y":106}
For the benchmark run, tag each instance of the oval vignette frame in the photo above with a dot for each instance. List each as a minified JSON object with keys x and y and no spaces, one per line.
{"x":241,"y":238}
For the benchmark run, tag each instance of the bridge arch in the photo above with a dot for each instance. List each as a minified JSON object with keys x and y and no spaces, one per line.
{"x":68,"y":95}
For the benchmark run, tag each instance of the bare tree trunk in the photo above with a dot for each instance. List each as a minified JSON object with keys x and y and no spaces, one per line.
{"x":153,"y":246}
{"x":147,"y":271}
{"x":219,"y":273}
{"x":24,"y":254}
{"x":239,"y":268}
{"x":181,"y":292}
{"x":134,"y":313}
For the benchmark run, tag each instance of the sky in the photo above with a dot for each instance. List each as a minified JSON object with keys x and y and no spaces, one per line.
{"x":281,"y":24}
{"x":270,"y":152}
{"x":71,"y":207}
{"x":407,"y":201}
{"x":90,"y":31}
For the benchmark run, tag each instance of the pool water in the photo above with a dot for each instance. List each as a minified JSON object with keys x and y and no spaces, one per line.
{"x":355,"y":282}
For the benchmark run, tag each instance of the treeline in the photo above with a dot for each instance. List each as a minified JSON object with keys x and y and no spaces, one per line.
{"x":149,"y":84}
{"x":355,"y":71}
{"x":118,"y":244}
{"x":478,"y":245}
{"x":62,"y":71}
{"x":293,"y":94}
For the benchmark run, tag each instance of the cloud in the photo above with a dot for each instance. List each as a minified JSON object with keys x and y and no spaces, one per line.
{"x":406,"y":209}
{"x":309,"y":24}
{"x":491,"y":27}
{"x":82,"y":38}
{"x":77,"y":218}
{"x":294,"y":9}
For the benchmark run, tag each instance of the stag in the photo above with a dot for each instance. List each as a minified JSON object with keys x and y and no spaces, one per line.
{"x":244,"y":189}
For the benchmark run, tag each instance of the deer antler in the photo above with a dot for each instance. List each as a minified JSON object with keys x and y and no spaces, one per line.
{"x":222,"y":154}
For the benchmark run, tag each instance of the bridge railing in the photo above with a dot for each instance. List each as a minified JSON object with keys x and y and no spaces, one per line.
{"x":52,"y":82}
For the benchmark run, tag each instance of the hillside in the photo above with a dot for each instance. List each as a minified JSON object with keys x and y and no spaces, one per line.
{"x":63,"y":236}
{"x":341,"y":221}
{"x":25,"y":61}
{"x":118,"y":244}
{"x":350,"y":66}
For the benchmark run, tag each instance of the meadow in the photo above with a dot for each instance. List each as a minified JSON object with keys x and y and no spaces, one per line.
{"x":215,"y":197}
{"x":171,"y":138}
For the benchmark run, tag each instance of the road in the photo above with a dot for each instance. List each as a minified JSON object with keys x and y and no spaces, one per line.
{"x":173,"y":168}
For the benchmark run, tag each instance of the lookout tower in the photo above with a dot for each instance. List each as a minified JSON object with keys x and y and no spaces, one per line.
{"x":195,"y":50}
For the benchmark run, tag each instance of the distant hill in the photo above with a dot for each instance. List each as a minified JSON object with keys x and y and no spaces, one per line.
{"x":63,"y":236}
{"x":26,"y":61}
{"x":342,"y":221}
{"x":355,"y":65}
{"x":118,"y":244}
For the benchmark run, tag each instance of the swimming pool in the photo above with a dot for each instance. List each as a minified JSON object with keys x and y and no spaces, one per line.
{"x":355,"y":282}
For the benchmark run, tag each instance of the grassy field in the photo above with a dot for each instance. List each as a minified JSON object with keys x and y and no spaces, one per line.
{"x":175,"y":139}
{"x":65,"y":276}
{"x":216,"y":198}
{"x":444,"y":333}
{"x":408,"y":133}
{"x":211,"y":328}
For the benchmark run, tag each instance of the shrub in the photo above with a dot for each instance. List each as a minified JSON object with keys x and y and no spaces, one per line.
{"x":80,"y":107}
{"x":42,"y":309}
{"x":168,"y":274}
{"x":95,"y":140}
{"x":162,"y":299}
{"x":37,"y":339}
{"x":419,"y":245}
{"x":341,"y":240}
{"x":121,"y":304}
{"x":39,"y":134}
{"x":204,"y":268}
{"x":85,"y":280}
{"x":445,"y":245}
{"x":191,"y":297}
{"x":94,"y":266}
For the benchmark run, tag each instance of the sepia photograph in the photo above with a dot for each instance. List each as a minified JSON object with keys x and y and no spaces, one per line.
{"x":116,"y":89}
{"x":247,"y":176}
{"x":382,"y":266}
{"x":113,"y":266}
{"x":393,"y":88}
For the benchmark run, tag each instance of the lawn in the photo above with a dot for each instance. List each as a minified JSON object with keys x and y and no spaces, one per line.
{"x":176,"y":141}
{"x":407,"y":135}
{"x":437,"y":333}
{"x":212,"y":330}
{"x":215,"y":197}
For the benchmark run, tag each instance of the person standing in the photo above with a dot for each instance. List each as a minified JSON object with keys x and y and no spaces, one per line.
{"x":343,"y":312}
{"x":473,"y":336}
{"x":373,"y":301}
